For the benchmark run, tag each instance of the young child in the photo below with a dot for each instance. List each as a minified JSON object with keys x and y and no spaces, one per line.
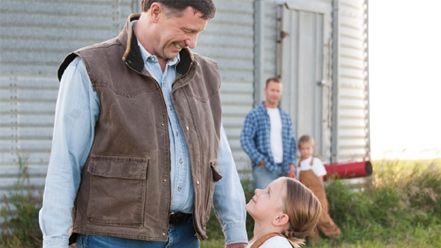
{"x":310,"y":171}
{"x":283,"y":213}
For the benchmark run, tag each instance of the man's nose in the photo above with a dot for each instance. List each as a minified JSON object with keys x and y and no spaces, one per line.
{"x":192,"y":41}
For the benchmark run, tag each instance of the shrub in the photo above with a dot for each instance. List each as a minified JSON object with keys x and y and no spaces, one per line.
{"x":20,"y":212}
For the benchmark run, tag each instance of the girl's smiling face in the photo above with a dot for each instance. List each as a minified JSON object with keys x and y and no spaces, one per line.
{"x":267,"y":204}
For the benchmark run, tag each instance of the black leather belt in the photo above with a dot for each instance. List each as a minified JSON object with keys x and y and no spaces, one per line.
{"x":178,"y":218}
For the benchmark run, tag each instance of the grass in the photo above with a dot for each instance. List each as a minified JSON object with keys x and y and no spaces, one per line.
{"x":400,"y":206}
{"x":20,"y":212}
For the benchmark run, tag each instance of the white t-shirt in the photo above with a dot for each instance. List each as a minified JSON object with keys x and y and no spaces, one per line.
{"x":317,"y":167}
{"x":274,"y":242}
{"x":276,"y":134}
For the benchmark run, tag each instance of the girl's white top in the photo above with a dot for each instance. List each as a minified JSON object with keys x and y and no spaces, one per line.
{"x":317,"y":167}
{"x":274,"y":242}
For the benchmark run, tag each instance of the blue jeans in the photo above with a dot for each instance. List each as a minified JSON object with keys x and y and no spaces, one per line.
{"x":262,"y":176}
{"x":180,"y":236}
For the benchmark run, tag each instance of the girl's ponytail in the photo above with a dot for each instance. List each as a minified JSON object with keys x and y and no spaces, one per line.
{"x":303,"y":209}
{"x":292,"y":238}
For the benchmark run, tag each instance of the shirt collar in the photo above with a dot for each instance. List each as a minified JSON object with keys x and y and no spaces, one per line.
{"x":149,"y":58}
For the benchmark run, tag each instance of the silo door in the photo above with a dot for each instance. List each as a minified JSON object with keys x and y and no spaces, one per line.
{"x":303,"y":60}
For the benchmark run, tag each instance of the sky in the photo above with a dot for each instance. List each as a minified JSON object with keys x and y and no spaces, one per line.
{"x":405,"y":78}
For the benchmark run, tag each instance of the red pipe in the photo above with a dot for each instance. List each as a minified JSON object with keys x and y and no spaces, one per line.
{"x":348,"y":170}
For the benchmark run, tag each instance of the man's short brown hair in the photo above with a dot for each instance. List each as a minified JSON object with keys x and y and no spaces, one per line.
{"x":206,"y":7}
{"x":275,"y":79}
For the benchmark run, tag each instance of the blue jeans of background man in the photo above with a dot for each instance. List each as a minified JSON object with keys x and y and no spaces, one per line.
{"x":262,"y":176}
{"x":180,"y":236}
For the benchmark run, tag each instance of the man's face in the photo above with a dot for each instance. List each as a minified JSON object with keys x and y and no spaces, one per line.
{"x":176,"y":32}
{"x":273,"y":92}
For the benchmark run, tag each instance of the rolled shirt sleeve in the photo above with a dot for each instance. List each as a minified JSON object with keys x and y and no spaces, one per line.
{"x":229,"y":197}
{"x":76,"y":113}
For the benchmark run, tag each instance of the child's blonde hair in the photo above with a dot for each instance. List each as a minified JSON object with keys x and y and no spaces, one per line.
{"x":306,"y":139}
{"x":303,"y":209}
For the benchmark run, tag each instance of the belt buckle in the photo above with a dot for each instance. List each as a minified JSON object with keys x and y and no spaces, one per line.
{"x":175,"y":218}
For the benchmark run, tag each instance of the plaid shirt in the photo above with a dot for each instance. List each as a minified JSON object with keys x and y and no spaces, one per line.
{"x":255,"y":139}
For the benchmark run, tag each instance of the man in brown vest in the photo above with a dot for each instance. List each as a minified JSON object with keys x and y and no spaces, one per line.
{"x":138,"y":143}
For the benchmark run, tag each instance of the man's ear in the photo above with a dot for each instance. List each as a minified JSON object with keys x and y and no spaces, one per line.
{"x":281,"y":220}
{"x":155,"y":11}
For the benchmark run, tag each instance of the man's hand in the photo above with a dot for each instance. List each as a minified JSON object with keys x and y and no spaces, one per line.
{"x":239,"y":245}
{"x":262,"y":163}
{"x":292,"y":171}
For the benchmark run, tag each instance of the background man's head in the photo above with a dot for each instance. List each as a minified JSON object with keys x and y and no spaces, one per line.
{"x":273,"y":92}
{"x":175,"y":7}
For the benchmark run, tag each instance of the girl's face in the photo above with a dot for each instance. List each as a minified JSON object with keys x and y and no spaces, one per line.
{"x":306,"y":150}
{"x":267,"y":204}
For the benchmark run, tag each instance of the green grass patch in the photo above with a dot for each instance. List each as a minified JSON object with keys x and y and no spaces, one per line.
{"x":20,"y":212}
{"x":399,"y":206}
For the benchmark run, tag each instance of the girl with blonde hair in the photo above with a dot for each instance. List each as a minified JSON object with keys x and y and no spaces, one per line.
{"x":284,"y":213}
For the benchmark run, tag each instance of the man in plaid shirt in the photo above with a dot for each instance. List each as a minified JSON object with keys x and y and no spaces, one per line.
{"x":268,"y":138}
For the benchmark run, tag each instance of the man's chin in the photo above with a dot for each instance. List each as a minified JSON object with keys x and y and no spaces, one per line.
{"x":171,"y":55}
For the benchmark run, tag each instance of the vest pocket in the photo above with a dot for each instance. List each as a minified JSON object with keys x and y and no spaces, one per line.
{"x":117,"y":190}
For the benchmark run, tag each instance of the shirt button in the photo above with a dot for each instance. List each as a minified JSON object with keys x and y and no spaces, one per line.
{"x":180,"y":160}
{"x":197,"y":182}
{"x":165,"y":180}
{"x":170,"y":107}
{"x":153,"y":58}
{"x":163,"y":234}
{"x":162,"y":124}
{"x":179,"y":188}
{"x":186,"y":127}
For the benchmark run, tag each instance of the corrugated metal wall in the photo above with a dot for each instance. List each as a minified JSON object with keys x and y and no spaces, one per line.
{"x":351,"y":116}
{"x":35,"y":37}
{"x":305,"y":67}
{"x":264,"y":43}
{"x":270,"y":43}
{"x":229,"y":40}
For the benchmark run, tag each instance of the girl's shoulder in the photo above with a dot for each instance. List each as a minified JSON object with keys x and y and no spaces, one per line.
{"x":276,"y":241}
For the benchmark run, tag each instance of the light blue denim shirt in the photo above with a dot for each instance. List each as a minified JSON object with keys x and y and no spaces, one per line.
{"x":182,"y":188}
{"x":77,"y":111}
